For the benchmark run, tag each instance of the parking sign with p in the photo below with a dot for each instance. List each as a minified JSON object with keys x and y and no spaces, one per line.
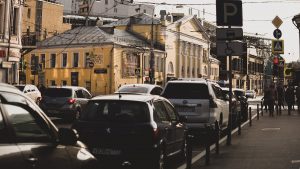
{"x":229,"y":13}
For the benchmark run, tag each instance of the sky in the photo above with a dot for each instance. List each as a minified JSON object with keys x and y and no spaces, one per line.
{"x":257,"y":18}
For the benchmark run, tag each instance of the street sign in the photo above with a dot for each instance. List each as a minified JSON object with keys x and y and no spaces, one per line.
{"x":277,"y":33}
{"x":277,"y":22}
{"x":229,"y":13}
{"x":277,"y":46}
{"x":229,"y":34}
{"x":6,"y":64}
{"x":230,"y":48}
{"x":137,"y":71}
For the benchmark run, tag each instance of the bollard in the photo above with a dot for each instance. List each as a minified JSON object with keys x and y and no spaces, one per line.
{"x":189,"y":151}
{"x":277,"y":110}
{"x":217,"y":137}
{"x":207,"y":147}
{"x":250,"y":117}
{"x":239,"y":124}
{"x":262,"y":109}
{"x":257,"y":111}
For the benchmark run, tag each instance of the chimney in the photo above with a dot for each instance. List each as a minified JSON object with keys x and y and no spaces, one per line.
{"x":162,"y":13}
{"x":177,"y":16}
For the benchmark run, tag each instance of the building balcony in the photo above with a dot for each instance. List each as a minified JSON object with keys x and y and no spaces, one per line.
{"x":29,"y":41}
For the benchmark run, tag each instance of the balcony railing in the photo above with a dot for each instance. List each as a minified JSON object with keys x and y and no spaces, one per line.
{"x":29,"y":40}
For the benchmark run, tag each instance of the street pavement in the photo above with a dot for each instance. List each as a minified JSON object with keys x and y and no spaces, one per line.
{"x":271,"y":143}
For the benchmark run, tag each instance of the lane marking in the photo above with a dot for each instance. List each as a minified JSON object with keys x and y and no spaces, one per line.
{"x":270,"y":129}
{"x":295,"y":161}
{"x":202,"y":154}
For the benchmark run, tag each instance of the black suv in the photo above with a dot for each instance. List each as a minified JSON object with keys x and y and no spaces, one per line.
{"x":132,"y":128}
{"x":65,"y":102}
{"x":28,"y":139}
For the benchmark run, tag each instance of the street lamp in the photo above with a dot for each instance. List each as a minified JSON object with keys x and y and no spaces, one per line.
{"x":296,"y":22}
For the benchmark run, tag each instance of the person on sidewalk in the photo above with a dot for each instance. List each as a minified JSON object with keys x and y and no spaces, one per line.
{"x":290,"y":97}
{"x":298,"y":97}
{"x":271,"y":97}
{"x":280,"y":92}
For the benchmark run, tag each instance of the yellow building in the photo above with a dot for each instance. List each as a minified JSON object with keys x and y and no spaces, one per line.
{"x":100,"y":59}
{"x":41,"y":20}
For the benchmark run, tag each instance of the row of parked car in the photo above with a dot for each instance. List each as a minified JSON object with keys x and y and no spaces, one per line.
{"x":140,"y":124}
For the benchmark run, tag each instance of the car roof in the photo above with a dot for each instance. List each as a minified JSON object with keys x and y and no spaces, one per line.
{"x":233,"y":89}
{"x":128,"y":97}
{"x":149,"y":86}
{"x":189,"y":80}
{"x":9,"y":88}
{"x":68,"y":87}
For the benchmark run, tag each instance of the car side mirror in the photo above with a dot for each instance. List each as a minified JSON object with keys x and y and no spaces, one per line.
{"x":67,"y":136}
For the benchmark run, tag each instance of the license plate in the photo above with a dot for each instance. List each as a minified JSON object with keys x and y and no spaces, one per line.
{"x":106,"y":151}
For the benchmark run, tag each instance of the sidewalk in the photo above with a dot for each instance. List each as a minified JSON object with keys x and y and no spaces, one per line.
{"x":271,"y":143}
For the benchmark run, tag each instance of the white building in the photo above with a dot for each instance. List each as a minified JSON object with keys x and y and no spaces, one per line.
{"x":10,"y":40}
{"x":70,"y":6}
{"x":113,"y":8}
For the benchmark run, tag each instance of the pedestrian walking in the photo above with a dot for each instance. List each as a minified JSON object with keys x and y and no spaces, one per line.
{"x":271,"y":98}
{"x":290,"y":97}
{"x":280,"y":92}
{"x":265,"y":104}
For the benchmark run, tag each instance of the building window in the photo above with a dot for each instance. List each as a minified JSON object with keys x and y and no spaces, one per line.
{"x":106,"y":2}
{"x":64,"y":60}
{"x":115,"y":10}
{"x":88,"y":85}
{"x":15,"y":22}
{"x":1,"y":18}
{"x":145,"y":11}
{"x":52,"y":83}
{"x":64,"y":83}
{"x":28,"y":13}
{"x":87,"y":59}
{"x":75,"y":59}
{"x":52,"y":60}
{"x":43,"y":60}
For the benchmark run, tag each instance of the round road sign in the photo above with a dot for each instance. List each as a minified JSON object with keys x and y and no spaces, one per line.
{"x":277,"y":33}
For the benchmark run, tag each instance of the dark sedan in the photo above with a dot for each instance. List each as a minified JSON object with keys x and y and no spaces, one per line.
{"x":138,"y":129}
{"x":28,"y":139}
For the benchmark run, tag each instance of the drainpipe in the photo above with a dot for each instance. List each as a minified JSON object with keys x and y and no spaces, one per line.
{"x":111,"y":68}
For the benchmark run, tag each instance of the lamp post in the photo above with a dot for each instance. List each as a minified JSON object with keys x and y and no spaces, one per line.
{"x":296,"y":22}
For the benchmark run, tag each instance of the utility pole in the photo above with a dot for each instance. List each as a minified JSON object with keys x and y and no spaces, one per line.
{"x":9,"y":39}
{"x":152,"y":57}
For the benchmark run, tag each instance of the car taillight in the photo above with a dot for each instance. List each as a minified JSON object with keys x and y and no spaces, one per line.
{"x":155,"y":133}
{"x":71,"y":101}
{"x":212,"y":103}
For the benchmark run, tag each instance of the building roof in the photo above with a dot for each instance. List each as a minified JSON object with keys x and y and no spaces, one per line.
{"x":141,"y":19}
{"x":90,"y":35}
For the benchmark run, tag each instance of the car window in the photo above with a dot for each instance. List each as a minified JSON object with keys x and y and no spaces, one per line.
{"x":186,"y":91}
{"x":218,"y":92}
{"x":14,"y":98}
{"x":79,"y":94}
{"x":171,"y":111}
{"x":116,"y":111}
{"x":156,"y":91}
{"x":25,"y":125}
{"x":21,"y":88}
{"x":58,"y":92}
{"x":86,"y":94}
{"x":160,"y":111}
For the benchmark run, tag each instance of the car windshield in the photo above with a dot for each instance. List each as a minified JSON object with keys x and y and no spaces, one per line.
{"x":116,"y":111}
{"x":58,"y":92}
{"x":21,"y":88}
{"x":186,"y":91}
{"x":133,"y":89}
